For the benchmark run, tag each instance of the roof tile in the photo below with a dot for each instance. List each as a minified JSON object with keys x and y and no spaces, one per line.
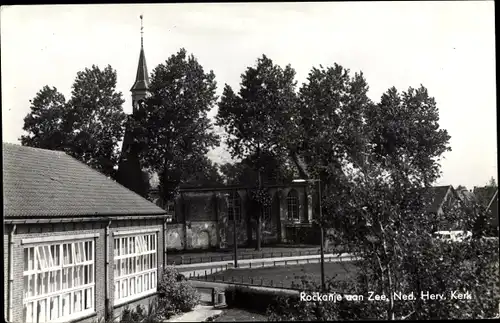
{"x":44,"y":183}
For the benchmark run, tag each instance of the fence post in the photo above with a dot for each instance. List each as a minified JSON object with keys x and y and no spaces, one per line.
{"x":282,"y":254}
{"x":205,"y":274}
{"x":223,"y":278}
{"x":250,"y":264}
{"x":275,"y":263}
{"x":251,"y":280}
{"x":262,"y":264}
{"x":182,"y":260}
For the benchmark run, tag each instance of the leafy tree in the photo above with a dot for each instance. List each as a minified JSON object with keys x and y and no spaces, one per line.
{"x":406,"y":135}
{"x":258,"y":115}
{"x":276,"y":170}
{"x":331,"y":128}
{"x":96,"y":118}
{"x":88,"y":126}
{"x":174,"y":128}
{"x":45,"y":124}
{"x":206,"y":172}
{"x":374,"y":161}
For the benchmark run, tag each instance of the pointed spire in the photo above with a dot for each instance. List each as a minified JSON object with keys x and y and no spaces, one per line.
{"x":142,"y":33}
{"x":142,"y":77}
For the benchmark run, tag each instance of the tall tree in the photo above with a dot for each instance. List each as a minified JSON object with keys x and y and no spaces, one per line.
{"x":88,"y":126}
{"x":258,"y":116}
{"x":45,"y":124}
{"x":406,"y":134}
{"x":276,"y":170}
{"x":96,"y":118}
{"x":378,"y":210}
{"x":174,"y":127}
{"x":332,"y":128}
{"x":205,"y":172}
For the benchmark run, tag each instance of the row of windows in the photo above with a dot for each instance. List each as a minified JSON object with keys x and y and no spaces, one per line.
{"x":59,"y":278}
{"x":234,"y":207}
{"x":292,"y":199}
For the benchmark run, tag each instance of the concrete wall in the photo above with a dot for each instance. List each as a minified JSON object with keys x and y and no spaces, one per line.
{"x":67,"y":231}
{"x":201,"y":220}
{"x":175,"y":239}
{"x":201,"y":234}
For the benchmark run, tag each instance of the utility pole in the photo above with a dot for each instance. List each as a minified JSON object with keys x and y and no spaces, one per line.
{"x":235,"y":239}
{"x":323,"y":287}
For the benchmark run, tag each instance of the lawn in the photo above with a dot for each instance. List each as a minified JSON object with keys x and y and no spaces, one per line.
{"x":284,"y":276}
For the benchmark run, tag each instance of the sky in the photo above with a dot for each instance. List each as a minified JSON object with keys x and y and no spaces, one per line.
{"x":449,"y":47}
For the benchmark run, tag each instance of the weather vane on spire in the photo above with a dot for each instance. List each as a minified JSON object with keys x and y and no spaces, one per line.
{"x":142,"y":32}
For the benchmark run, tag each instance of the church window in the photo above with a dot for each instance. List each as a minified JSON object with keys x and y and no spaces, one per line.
{"x":234,"y":207}
{"x":292,"y":200}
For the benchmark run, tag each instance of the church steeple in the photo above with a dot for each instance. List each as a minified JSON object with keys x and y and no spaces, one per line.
{"x":130,"y":173}
{"x":141,"y":86}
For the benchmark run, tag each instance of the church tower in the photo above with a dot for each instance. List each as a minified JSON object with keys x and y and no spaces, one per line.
{"x":140,"y":89}
{"x":130,"y":172}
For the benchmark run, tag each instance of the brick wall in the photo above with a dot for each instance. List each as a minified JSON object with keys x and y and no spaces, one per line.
{"x":67,"y":230}
{"x":6,"y":270}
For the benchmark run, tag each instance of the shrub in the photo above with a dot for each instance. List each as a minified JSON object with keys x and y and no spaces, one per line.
{"x":175,"y":294}
{"x":142,"y":315}
{"x":251,"y":299}
{"x":440,"y":267}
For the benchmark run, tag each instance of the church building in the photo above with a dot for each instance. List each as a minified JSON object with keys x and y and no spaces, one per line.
{"x":203,"y":215}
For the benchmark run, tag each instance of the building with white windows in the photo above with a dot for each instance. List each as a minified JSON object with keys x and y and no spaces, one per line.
{"x":77,"y":245}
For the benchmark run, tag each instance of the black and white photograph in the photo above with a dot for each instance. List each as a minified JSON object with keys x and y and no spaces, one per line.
{"x":249,"y":162}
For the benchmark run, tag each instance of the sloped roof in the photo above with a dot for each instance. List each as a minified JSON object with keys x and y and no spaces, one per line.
{"x":493,"y":208}
{"x":45,"y":183}
{"x":437,"y":195}
{"x":466,"y":196}
{"x":142,"y":77}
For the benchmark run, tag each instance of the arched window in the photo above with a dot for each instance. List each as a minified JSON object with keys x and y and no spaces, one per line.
{"x":267,"y":214}
{"x":234,"y":207}
{"x":292,"y":200}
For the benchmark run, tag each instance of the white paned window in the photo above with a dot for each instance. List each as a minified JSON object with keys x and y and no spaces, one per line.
{"x":135,"y":266}
{"x":59,"y":282}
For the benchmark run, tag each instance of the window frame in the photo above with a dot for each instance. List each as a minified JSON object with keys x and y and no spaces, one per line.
{"x":125,"y":264}
{"x":292,"y":203}
{"x":56,"y":283}
{"x":234,"y":196}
